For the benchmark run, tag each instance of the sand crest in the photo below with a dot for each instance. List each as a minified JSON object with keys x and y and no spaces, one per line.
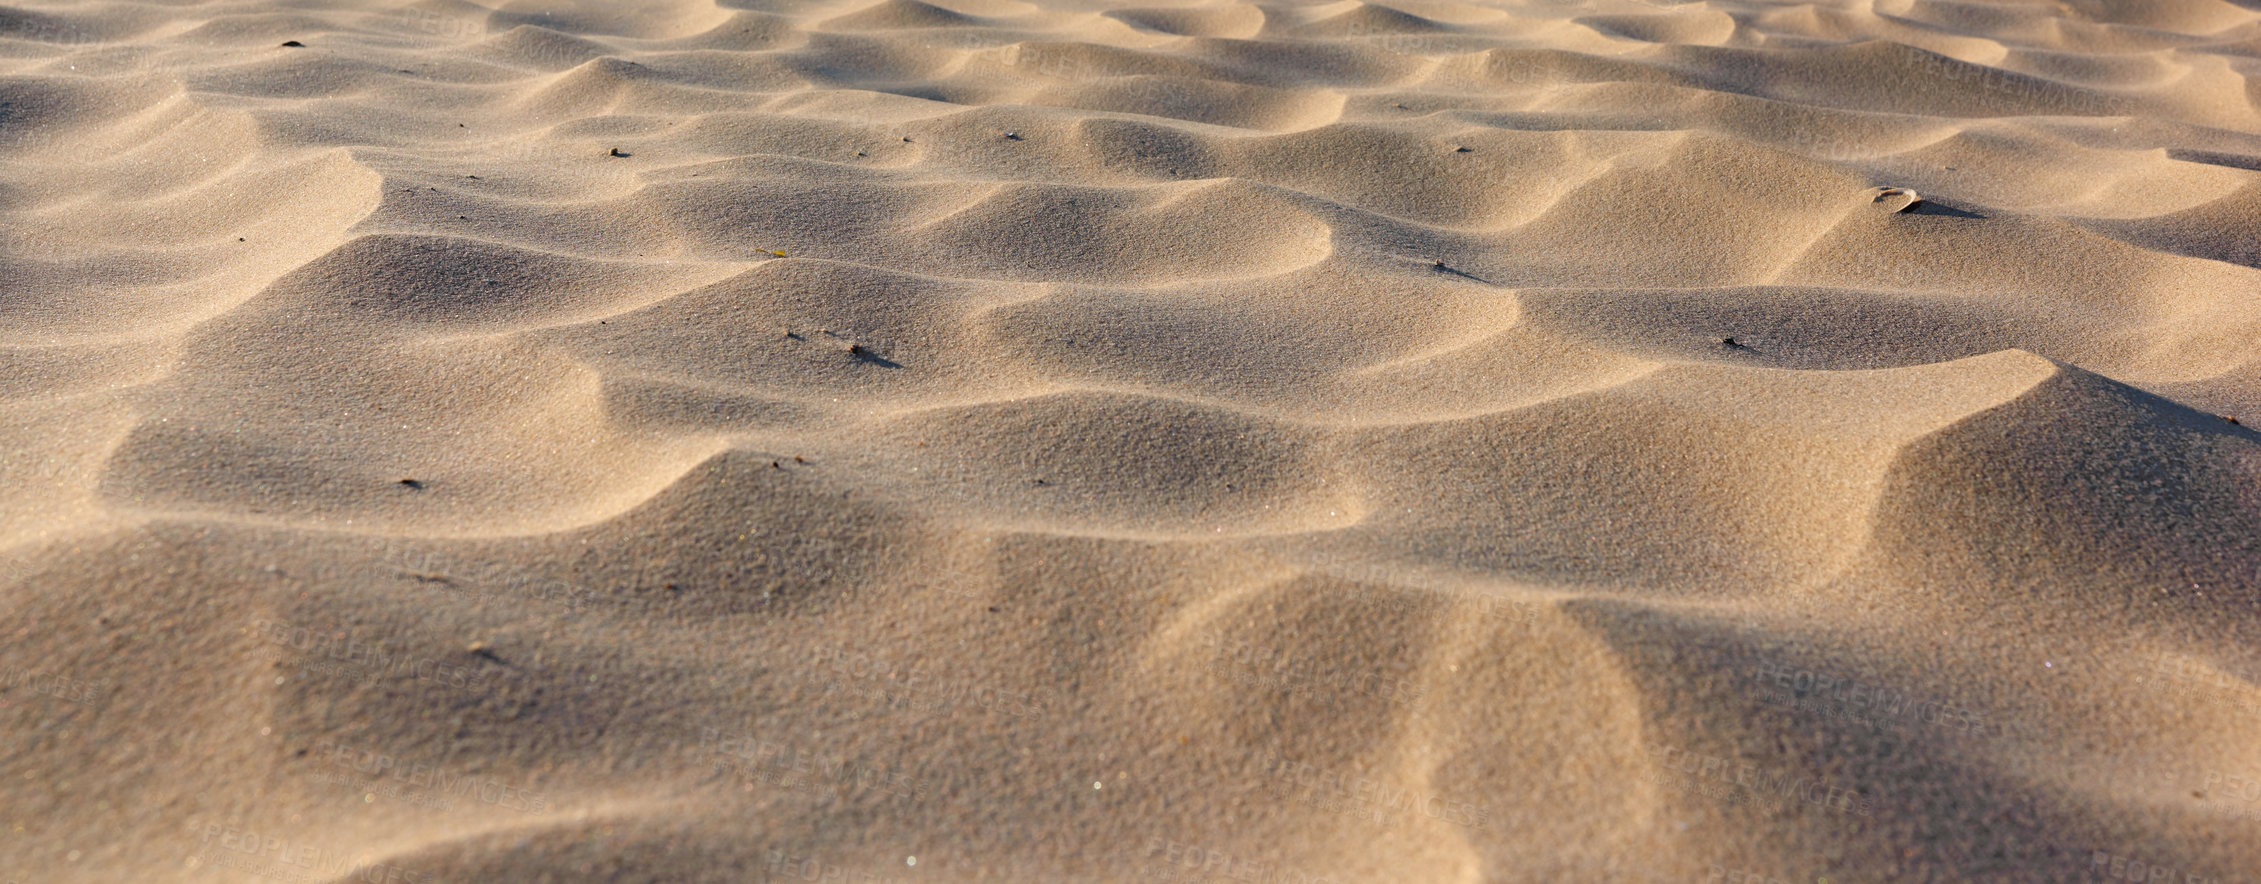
{"x":981,"y":440}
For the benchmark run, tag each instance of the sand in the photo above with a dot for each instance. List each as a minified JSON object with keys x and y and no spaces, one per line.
{"x":983,"y":440}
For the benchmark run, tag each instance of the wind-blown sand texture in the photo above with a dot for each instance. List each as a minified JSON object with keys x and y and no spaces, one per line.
{"x":728,"y":440}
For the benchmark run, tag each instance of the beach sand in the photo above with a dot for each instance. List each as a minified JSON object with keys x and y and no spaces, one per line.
{"x":983,"y":440}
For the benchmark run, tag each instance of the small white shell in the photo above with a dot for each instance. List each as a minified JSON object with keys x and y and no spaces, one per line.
{"x":1891,"y":193}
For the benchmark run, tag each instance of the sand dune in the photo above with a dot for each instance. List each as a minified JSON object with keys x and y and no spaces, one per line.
{"x":716,"y":440}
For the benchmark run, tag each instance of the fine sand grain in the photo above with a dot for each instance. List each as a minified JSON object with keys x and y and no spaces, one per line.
{"x":984,"y":440}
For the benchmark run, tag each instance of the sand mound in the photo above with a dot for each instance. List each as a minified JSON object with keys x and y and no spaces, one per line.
{"x":971,"y":440}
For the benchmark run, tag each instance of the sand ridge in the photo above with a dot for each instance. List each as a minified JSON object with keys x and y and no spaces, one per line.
{"x":967,"y":440}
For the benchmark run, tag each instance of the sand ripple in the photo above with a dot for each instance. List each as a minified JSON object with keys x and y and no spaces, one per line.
{"x":996,"y":440}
